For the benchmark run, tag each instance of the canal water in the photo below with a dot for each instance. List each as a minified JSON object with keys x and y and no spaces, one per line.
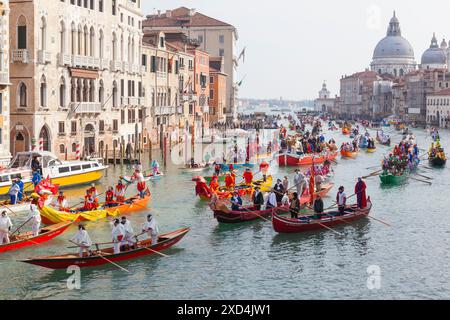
{"x":250,"y":261}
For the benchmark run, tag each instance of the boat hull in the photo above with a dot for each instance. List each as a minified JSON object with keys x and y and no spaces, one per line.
{"x":437,"y":162}
{"x":371,"y":150}
{"x":289,"y":225}
{"x":349,"y":154}
{"x":45,"y":236}
{"x":62,"y":262}
{"x":295,"y":161}
{"x":390,"y":179}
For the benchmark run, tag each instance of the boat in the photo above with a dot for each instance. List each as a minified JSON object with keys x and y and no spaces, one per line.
{"x":289,"y":159}
{"x":437,"y":161}
{"x":309,"y":223}
{"x":133,"y":204}
{"x":106,"y":256}
{"x":371,"y":150}
{"x":225,"y":215}
{"x":149,"y":177}
{"x":226,"y":166}
{"x":384,"y":140}
{"x":349,"y":154}
{"x":345,"y":131}
{"x":22,"y":206}
{"x":51,"y":216}
{"x":27,"y":239}
{"x":388,"y":178}
{"x":62,"y":173}
{"x":221,"y":178}
{"x":196,"y":167}
{"x":436,"y":156}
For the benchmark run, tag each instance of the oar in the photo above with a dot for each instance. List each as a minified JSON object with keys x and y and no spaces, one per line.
{"x":421,"y":180}
{"x":336,"y":217}
{"x":420,"y":175}
{"x":1,"y":204}
{"x":21,"y":226}
{"x":373,"y":174}
{"x":157,"y":252}
{"x":99,"y":254}
{"x":253,"y":212}
{"x":381,"y":221}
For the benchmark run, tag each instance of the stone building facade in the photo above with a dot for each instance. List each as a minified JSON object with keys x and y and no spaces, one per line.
{"x":5,"y":154}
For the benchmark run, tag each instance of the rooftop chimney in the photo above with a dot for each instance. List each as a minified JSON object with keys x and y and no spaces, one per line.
{"x":192,"y":12}
{"x":159,"y":13}
{"x":169,"y":13}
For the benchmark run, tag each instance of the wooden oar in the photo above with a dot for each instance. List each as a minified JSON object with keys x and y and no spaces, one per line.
{"x":421,"y":180}
{"x":373,"y":174}
{"x":99,"y":254}
{"x":5,"y":206}
{"x":420,"y":175}
{"x":253,"y":212}
{"x":381,"y":221}
{"x":157,"y":252}
{"x":21,"y":226}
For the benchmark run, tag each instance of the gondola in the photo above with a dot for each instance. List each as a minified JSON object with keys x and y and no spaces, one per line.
{"x":105,"y":256}
{"x":308,"y":223}
{"x":27,"y":239}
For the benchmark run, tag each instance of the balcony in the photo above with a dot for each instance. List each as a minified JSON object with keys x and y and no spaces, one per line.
{"x":193,"y":98}
{"x":104,"y":64}
{"x":44,"y":57}
{"x":85,"y":62}
{"x":86,"y":107}
{"x":4,"y":78}
{"x":161,"y":74}
{"x":116,"y":66}
{"x":20,"y":55}
{"x":125,"y":66}
{"x":133,"y":101}
{"x":65,"y":59}
{"x":160,"y":111}
{"x":135,"y":69}
{"x":205,"y":109}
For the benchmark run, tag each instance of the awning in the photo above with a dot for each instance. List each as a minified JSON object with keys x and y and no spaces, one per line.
{"x":83,"y":73}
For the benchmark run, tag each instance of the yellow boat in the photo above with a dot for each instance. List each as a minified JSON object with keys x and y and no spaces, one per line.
{"x":371,"y":150}
{"x":53,"y":216}
{"x":64,"y":173}
{"x":265,"y":186}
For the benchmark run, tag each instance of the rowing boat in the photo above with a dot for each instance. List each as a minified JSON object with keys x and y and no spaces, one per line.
{"x":105,"y":256}
{"x":345,"y":131}
{"x":371,"y":150}
{"x":312,"y":222}
{"x":242,"y":189}
{"x":437,"y":161}
{"x":21,"y":207}
{"x":27,"y":239}
{"x":292,"y":160}
{"x":224,"y":215}
{"x":149,"y":177}
{"x":388,"y":178}
{"x":349,"y":154}
{"x":226,"y":166}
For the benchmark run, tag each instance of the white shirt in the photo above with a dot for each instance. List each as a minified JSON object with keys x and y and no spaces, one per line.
{"x":272,"y":199}
{"x":128,"y":228}
{"x":341,"y":197}
{"x":5,"y":223}
{"x":117,"y":231}
{"x":285,"y":200}
{"x":34,"y":214}
{"x":56,"y":204}
{"x":82,"y":238}
{"x":151,"y":226}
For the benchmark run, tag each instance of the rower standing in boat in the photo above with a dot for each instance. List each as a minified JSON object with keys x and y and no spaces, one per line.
{"x":258,"y":199}
{"x":129,"y":233}
{"x":318,"y":206}
{"x":88,"y":201}
{"x":35,"y":217}
{"x":271,"y":200}
{"x":285,"y":199}
{"x":151,"y":227}
{"x":286,"y":183}
{"x":94,"y":193}
{"x":21,"y":186}
{"x":264,"y":168}
{"x":36,"y":178}
{"x":341,"y":199}
{"x":360,"y":190}
{"x":299,"y":181}
{"x":248,"y":176}
{"x":236,"y":202}
{"x":118,"y":234}
{"x":5,"y":227}
{"x":83,"y":240}
{"x":294,"y":207}
{"x":13,"y":192}
{"x":141,"y":185}
{"x":155,"y":167}
{"x":120,"y":192}
{"x":279,"y":189}
{"x":109,"y":198}
{"x":61,"y":203}
{"x":229,"y":181}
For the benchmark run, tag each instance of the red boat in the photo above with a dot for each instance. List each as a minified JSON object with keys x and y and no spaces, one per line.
{"x":349,"y":154}
{"x":27,"y":239}
{"x":225,"y":215}
{"x":308,"y":223}
{"x":292,"y":160}
{"x":101,"y":257}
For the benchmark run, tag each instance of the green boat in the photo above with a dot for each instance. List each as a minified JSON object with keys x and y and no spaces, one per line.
{"x":390,"y":179}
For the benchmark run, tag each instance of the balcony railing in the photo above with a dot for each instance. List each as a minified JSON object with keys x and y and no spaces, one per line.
{"x":116,"y":66}
{"x":44,"y":57}
{"x":159,"y":111}
{"x":135,"y":69}
{"x":86,"y":107}
{"x":85,"y":62}
{"x":132,"y":101}
{"x":20,"y":55}
{"x":65,"y":59}
{"x":205,"y":109}
{"x":4,"y":78}
{"x":143,"y":69}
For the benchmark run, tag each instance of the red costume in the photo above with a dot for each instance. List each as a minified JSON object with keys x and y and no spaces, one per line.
{"x":109,"y":197}
{"x":248,"y":177}
{"x":214,"y":184}
{"x":229,"y":181}
{"x":202,"y":189}
{"x":360,"y":191}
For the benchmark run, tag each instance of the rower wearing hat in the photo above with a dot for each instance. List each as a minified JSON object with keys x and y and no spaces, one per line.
{"x":248,"y":176}
{"x":258,"y":198}
{"x":120,"y":192}
{"x":341,"y":199}
{"x":236,"y":202}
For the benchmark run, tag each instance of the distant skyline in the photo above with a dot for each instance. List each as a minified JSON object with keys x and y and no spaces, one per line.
{"x":293,"y":46}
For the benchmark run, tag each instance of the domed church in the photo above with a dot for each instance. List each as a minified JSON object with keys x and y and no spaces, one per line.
{"x":435,"y":57}
{"x":394,"y":54}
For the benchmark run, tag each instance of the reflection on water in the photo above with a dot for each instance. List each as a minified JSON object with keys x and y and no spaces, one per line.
{"x":250,"y":260}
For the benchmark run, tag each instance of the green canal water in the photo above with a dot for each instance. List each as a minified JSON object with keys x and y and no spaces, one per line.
{"x":251,"y":261}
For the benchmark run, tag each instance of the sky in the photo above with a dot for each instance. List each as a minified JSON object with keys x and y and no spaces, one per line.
{"x":293,"y":46}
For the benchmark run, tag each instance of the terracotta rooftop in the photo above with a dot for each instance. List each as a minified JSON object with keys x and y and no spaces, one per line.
{"x":445,"y":92}
{"x":182,"y":17}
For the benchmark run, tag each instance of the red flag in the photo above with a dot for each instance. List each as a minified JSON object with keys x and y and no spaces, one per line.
{"x":46,"y":185}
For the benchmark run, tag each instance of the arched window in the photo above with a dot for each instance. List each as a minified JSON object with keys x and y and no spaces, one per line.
{"x":115,"y":98}
{"x":92,"y":42}
{"x":74,"y":39}
{"x":62,"y":38}
{"x":92,"y":91}
{"x":402,"y":72}
{"x":132,"y":51}
{"x":62,"y":148}
{"x":100,"y":45}
{"x":80,"y":40}
{"x":62,"y":93}
{"x":22,"y":95}
{"x":22,"y":33}
{"x":43,"y":92}
{"x":45,"y":137}
{"x":114,"y":47}
{"x":74,"y":147}
{"x":86,"y":41}
{"x":43,"y":34}
{"x":122,"y":48}
{"x":101,"y":93}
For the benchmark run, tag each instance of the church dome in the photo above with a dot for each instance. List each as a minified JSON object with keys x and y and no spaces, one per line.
{"x":434,"y":56}
{"x":393,"y":45}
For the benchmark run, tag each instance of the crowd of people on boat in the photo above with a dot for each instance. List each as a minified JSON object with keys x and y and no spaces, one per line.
{"x":436,"y":151}
{"x":405,"y":156}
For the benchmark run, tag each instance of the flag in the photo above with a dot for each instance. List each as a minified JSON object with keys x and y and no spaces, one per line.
{"x":242,"y":55}
{"x":46,"y":186}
